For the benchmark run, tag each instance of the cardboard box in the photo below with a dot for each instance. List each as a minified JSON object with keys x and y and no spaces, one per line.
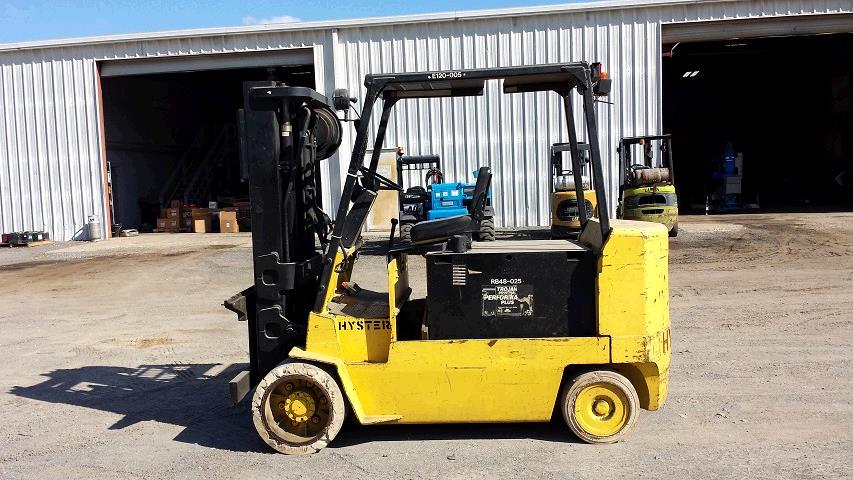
{"x":228,"y":222}
{"x":175,"y":204}
{"x":202,"y":224}
{"x":170,"y":224}
{"x":173,"y":212}
{"x":200,"y":212}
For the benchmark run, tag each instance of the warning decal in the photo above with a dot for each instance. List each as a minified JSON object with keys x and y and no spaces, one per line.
{"x":508,"y":300}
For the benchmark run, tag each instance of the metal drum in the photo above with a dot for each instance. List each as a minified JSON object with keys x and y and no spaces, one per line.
{"x":93,"y":228}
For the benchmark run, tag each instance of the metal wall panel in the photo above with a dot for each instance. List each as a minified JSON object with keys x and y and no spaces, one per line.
{"x":50,"y":156}
{"x":50,"y":162}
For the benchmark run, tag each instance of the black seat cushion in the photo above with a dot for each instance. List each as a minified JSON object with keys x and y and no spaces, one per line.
{"x":441,"y":229}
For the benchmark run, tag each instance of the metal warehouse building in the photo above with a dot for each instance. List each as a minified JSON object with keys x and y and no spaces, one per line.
{"x":111,"y":126}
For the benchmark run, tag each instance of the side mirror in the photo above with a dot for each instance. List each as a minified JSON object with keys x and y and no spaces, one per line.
{"x":341,"y":99}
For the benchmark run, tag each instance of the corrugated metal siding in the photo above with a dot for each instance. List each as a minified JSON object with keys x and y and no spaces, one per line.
{"x":51,"y":162}
{"x":50,"y":158}
{"x":511,"y":133}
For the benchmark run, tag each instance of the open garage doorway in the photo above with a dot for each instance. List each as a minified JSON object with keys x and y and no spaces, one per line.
{"x":172,"y":136}
{"x":761,"y":123}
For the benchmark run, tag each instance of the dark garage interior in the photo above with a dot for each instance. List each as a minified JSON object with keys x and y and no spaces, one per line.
{"x":173,"y":136}
{"x":779,"y":108}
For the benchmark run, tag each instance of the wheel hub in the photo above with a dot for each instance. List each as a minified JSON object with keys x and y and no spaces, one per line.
{"x":299,"y":406}
{"x":601,"y":407}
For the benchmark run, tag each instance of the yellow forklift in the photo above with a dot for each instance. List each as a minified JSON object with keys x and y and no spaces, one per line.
{"x":565,"y":219}
{"x":509,"y":331}
{"x":647,"y":187}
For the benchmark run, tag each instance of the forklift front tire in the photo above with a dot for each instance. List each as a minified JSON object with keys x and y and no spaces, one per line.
{"x":600,"y":406}
{"x":298,"y":408}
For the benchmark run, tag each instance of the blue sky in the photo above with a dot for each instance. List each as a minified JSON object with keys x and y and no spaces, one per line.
{"x":22,"y":20}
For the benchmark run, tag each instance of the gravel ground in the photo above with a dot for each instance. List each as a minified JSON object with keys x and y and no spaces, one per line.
{"x":116,"y":357}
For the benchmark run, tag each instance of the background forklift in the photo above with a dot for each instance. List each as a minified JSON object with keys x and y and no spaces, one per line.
{"x":509,"y":331}
{"x":437,"y":199}
{"x":565,"y":218}
{"x":647,"y":187}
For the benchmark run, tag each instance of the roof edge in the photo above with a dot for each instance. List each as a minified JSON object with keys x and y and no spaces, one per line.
{"x":321,"y":25}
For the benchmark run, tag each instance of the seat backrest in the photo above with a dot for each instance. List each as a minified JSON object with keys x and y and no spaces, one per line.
{"x":354,"y":222}
{"x":477,"y":206}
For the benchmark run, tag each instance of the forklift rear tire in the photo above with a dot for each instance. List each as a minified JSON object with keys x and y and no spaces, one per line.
{"x":673,"y":232}
{"x":298,"y":408}
{"x":600,"y":406}
{"x":487,"y":230}
{"x":406,"y":232}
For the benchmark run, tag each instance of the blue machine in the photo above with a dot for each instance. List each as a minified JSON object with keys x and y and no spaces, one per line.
{"x":450,"y":199}
{"x":438,"y":199}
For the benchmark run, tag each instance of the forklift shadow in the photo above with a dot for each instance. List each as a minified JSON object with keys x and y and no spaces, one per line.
{"x":185,"y":395}
{"x":355,"y":434}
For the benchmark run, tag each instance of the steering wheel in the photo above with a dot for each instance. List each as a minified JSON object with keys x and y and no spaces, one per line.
{"x":383,"y":181}
{"x":433,"y":176}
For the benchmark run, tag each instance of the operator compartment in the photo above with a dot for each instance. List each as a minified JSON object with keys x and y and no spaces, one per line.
{"x":511,"y":289}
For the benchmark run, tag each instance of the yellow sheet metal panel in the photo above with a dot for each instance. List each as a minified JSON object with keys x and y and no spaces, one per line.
{"x":633,"y":283}
{"x":447,"y":381}
{"x":633,"y":301}
{"x":352,"y":339}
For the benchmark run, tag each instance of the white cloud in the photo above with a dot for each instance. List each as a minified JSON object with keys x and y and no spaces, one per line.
{"x":263,"y":21}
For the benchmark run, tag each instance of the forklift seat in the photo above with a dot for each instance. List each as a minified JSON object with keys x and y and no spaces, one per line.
{"x":442,"y":229}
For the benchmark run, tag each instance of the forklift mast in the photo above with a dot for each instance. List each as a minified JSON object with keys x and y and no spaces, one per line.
{"x":286,"y":131}
{"x":557,"y":162}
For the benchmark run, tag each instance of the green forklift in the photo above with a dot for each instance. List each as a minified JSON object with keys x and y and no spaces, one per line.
{"x":647,"y":185}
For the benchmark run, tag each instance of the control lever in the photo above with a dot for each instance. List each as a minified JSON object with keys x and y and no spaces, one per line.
{"x":394,"y":223}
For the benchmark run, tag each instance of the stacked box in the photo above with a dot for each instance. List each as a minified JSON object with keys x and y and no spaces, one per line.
{"x":187,"y":219}
{"x":228,"y":222}
{"x":202,"y":220}
{"x":169,"y":224}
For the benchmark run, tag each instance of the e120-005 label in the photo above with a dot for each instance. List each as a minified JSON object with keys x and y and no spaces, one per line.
{"x":508,"y":300}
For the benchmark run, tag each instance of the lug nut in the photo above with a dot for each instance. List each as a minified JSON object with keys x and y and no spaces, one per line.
{"x":281,"y":405}
{"x":315,"y":419}
{"x":288,"y":387}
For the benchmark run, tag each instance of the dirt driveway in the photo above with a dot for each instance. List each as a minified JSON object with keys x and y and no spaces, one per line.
{"x":115,"y":358}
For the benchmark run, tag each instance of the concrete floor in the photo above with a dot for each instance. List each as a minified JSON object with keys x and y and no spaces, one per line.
{"x":115,"y":358}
